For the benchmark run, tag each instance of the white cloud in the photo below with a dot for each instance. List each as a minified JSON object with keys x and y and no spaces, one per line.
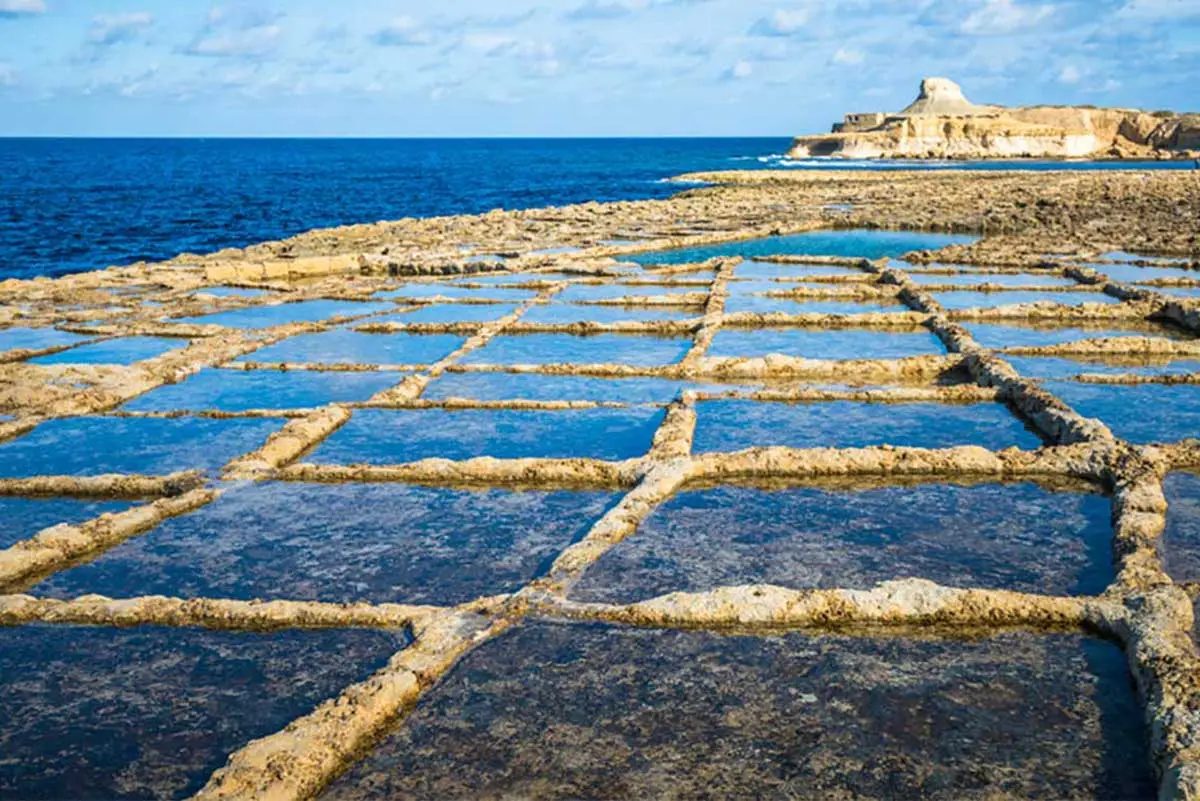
{"x":1000,"y":17}
{"x":848,"y":56}
{"x":1070,"y":75}
{"x":13,"y":8}
{"x":782,"y":22}
{"x":606,"y":9}
{"x":402,"y":32}
{"x":240,"y":34}
{"x":1150,"y":10}
{"x":108,"y":29}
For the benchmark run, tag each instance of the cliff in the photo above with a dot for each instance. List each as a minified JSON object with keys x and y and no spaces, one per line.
{"x":943,"y":124}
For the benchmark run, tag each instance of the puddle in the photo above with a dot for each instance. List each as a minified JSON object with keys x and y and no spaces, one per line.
{"x":583,"y":293}
{"x":1003,"y":335}
{"x":453,"y":291}
{"x":639,"y":350}
{"x":375,"y":436}
{"x":306,"y":311}
{"x":501,"y":279}
{"x":1141,"y":414}
{"x":345,"y":346}
{"x":553,"y":710}
{"x":25,"y":517}
{"x":151,"y":712}
{"x":91,"y":446}
{"x":1177,"y":291}
{"x":1133,"y":273}
{"x":756,"y":286}
{"x":1180,"y":544}
{"x":485,"y":258}
{"x":452,"y":313}
{"x":241,"y":390}
{"x":36,"y":339}
{"x":525,"y":386}
{"x":734,"y":425}
{"x":565,"y":314}
{"x":1007,"y":537}
{"x":561,"y":250}
{"x":1126,"y":256}
{"x":342,"y":543}
{"x":989,"y":300}
{"x":122,"y":350}
{"x":230,"y":292}
{"x":815,"y":343}
{"x":759,"y":269}
{"x":1005,"y":279}
{"x":1063,"y":367}
{"x":760,"y":304}
{"x":856,"y":243}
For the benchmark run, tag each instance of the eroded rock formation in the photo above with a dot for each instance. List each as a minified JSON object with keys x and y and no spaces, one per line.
{"x":943,"y":123}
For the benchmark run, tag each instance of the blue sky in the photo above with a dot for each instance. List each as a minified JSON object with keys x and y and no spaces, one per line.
{"x":566,"y":67}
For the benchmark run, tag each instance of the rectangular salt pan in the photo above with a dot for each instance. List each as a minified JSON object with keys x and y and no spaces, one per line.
{"x":811,"y":343}
{"x":1069,"y":367}
{"x":452,"y":313}
{"x":585,"y":711}
{"x":122,"y":350}
{"x":391,"y":437}
{"x":639,"y":350}
{"x":308,"y":311}
{"x":1000,"y":335}
{"x":530,"y":386}
{"x":734,"y":425}
{"x":381,"y":543}
{"x":762,"y":304}
{"x":243,"y":390}
{"x":856,"y":243}
{"x":151,"y":712}
{"x":567,"y":313}
{"x":583,"y":293}
{"x":451,"y":291}
{"x":36,"y":339}
{"x":1141,"y":414}
{"x":763,"y":269}
{"x":90,"y":446}
{"x":999,"y":279}
{"x":23,"y":518}
{"x":988,"y":300}
{"x":1017,"y":537}
{"x":345,"y":346}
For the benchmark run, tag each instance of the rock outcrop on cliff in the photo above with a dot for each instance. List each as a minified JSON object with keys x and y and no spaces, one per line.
{"x":943,"y":124}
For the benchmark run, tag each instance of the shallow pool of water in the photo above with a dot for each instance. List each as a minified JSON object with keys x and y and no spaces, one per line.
{"x":122,"y":350}
{"x":585,"y":293}
{"x":734,"y":425}
{"x":988,"y":300}
{"x":90,"y":446}
{"x":345,"y":346}
{"x":760,"y":304}
{"x":1141,"y":414}
{"x":814,"y":343}
{"x":341,"y":543}
{"x":1013,"y":335}
{"x":452,"y":313}
{"x":528,"y":386}
{"x":766,"y":269}
{"x":151,"y":712}
{"x":1180,"y":544}
{"x":453,"y":291}
{"x":307,"y":311}
{"x":567,"y":313}
{"x":36,"y":339}
{"x":631,"y":349}
{"x":856,"y":243}
{"x":553,"y":710}
{"x":376,"y":436}
{"x":999,"y":279}
{"x":242,"y":390}
{"x":1133,"y":273}
{"x":1069,"y":367}
{"x":25,"y":517}
{"x":230,"y":292}
{"x":1017,"y":537}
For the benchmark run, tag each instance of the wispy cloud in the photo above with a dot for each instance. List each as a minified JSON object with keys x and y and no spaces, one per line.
{"x":110,"y":29}
{"x":782,"y":22}
{"x":402,"y":32}
{"x":20,"y":8}
{"x":236,"y":34}
{"x":1003,"y":17}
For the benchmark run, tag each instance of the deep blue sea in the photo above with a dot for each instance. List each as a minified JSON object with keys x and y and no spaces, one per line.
{"x":68,"y":205}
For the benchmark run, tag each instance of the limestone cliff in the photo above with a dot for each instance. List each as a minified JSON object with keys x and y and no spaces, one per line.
{"x":941,"y":123}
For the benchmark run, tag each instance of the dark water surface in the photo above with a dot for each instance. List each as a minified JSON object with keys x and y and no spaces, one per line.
{"x":68,"y":205}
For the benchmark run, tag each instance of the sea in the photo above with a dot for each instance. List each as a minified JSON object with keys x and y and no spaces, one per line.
{"x":72,"y":205}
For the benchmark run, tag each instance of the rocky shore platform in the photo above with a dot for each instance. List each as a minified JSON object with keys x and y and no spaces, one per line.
{"x":858,"y":484}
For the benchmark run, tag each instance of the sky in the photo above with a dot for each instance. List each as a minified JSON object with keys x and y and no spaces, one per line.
{"x":566,"y":67}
